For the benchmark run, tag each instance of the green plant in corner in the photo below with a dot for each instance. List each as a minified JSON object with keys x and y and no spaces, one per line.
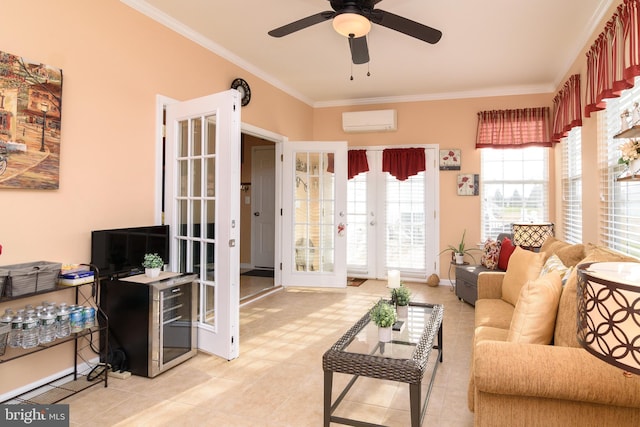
{"x":460,"y":249}
{"x":401,"y":295}
{"x":152,"y":261}
{"x":383,"y":314}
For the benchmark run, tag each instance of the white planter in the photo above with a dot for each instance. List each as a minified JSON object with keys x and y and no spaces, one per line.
{"x":403,"y":311}
{"x":152,"y":272}
{"x":384,"y":334}
{"x":459,"y":258}
{"x":634,"y":167}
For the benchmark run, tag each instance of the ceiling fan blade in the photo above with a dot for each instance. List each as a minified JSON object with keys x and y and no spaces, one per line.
{"x":359,"y":50}
{"x":301,"y":24}
{"x":405,"y":26}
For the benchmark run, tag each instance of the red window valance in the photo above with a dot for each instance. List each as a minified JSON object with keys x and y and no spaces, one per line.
{"x":514,"y":128}
{"x":357,"y":162}
{"x":403,"y":162}
{"x":567,"y":111}
{"x":613,"y":61}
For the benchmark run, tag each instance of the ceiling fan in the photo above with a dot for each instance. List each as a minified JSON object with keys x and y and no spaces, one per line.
{"x":353,"y":18}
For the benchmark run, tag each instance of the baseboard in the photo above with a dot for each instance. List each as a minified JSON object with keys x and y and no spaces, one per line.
{"x":84,"y":367}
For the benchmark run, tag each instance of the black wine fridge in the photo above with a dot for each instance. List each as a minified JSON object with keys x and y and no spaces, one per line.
{"x":153,"y":321}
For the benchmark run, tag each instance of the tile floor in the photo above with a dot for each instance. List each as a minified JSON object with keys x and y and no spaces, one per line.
{"x":278,"y":380}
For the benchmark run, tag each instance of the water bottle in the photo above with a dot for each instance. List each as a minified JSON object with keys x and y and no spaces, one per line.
{"x":62,"y":318}
{"x":89,"y":317}
{"x":15,"y":335}
{"x":6,"y":319}
{"x":76,"y":319}
{"x":47,"y":326}
{"x":30,"y":330}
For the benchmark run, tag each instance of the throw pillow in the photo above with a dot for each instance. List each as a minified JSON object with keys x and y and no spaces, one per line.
{"x":491,"y":254}
{"x":553,"y":264}
{"x":506,"y":249}
{"x":523,"y":266}
{"x":534,"y":317}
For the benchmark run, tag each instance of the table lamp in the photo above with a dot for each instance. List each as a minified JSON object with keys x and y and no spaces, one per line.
{"x":531,"y":235}
{"x":609,"y":313}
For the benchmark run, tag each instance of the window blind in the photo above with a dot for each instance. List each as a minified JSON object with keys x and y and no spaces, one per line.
{"x":514,"y":188}
{"x":572,"y":186}
{"x":405,"y":224}
{"x":620,"y":200}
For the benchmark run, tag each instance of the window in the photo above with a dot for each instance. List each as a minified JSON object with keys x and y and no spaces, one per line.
{"x":620,"y":206}
{"x":514,"y":187}
{"x":572,"y":186}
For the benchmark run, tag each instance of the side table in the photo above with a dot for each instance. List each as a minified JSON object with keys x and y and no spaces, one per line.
{"x":467,"y":282}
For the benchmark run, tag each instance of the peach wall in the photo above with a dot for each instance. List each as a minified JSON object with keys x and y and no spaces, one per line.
{"x":450,"y":124}
{"x":114,"y":61}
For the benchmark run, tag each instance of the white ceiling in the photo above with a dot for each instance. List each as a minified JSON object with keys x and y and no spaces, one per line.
{"x":489,"y":47}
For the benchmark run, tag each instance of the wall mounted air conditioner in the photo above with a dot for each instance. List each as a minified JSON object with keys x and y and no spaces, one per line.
{"x":369,"y":121}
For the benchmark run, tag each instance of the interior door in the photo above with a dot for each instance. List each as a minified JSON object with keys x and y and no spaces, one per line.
{"x":263,"y":198}
{"x":314,"y":214}
{"x":203,"y":211}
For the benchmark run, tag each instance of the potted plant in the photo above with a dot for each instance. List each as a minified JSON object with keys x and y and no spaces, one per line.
{"x":458,"y":252}
{"x":384,"y":316}
{"x":152,"y":264}
{"x":401,"y":296}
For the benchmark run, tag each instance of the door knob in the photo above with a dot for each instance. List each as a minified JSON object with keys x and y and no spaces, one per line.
{"x":256,"y":214}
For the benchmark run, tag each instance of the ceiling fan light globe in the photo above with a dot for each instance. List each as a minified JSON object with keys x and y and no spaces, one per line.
{"x":351,"y":25}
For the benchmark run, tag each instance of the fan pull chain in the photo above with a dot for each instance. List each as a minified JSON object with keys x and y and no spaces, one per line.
{"x":351,"y":78}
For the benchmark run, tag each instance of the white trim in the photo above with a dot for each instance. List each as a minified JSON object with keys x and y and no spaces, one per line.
{"x":161,"y":102}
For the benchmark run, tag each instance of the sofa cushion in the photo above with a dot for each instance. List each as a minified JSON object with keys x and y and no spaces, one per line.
{"x":523,"y":266}
{"x":534,"y":316}
{"x":491,"y":254}
{"x":571,"y":255}
{"x":566,"y":330}
{"x":506,"y":250}
{"x":493,"y":312}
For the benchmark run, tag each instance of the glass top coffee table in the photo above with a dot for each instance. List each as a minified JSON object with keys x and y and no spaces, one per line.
{"x":404,"y":359}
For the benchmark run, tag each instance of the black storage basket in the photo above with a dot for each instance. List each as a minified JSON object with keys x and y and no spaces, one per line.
{"x":28,"y":278}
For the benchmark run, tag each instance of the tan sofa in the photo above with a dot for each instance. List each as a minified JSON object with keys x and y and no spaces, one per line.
{"x":516,"y":383}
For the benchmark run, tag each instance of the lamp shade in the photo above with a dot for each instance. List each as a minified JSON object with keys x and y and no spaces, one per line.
{"x":351,"y":24}
{"x":609,"y":312}
{"x":531,"y":234}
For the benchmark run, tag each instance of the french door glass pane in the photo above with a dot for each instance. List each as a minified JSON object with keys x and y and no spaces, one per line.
{"x":405,"y":223}
{"x":196,"y":207}
{"x":314,"y":192}
{"x":357,"y":220}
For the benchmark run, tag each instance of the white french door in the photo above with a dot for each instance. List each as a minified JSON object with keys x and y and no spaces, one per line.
{"x":203,"y":211}
{"x":314,"y":214}
{"x":392,"y":223}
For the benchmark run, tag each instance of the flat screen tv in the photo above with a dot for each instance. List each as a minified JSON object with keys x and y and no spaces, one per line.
{"x":120,"y":251}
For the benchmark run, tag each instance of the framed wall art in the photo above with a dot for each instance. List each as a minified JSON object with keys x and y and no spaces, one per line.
{"x":450,"y":159}
{"x":30,"y":112}
{"x":468,"y":184}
